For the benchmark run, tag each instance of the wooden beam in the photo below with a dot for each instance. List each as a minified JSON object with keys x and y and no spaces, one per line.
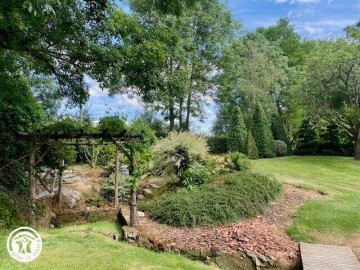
{"x":132,"y":202}
{"x":61,"y":170}
{"x":116,"y":184}
{"x":80,"y":135}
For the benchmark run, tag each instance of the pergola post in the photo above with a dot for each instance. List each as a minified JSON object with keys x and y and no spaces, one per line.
{"x":133,"y":204}
{"x":116,"y":184}
{"x":61,"y":170}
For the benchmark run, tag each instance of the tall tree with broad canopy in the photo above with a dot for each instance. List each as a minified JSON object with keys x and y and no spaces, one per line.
{"x":64,"y":39}
{"x":331,"y":88}
{"x":189,"y":46}
{"x":253,"y":70}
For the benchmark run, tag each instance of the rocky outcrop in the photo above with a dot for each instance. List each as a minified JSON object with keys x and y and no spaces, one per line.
{"x":72,"y":199}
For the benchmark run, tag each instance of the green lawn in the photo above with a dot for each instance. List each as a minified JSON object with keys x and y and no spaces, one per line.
{"x":335,"y":217}
{"x":83,"y":247}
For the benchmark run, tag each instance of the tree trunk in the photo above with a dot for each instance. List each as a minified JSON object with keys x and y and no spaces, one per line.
{"x":188,"y":108}
{"x":357,"y":142}
{"x":116,"y":184}
{"x":61,"y":170}
{"x":181,"y":105}
{"x":81,"y":113}
{"x":171,"y":117}
{"x":32,"y":179}
{"x":133,"y":208}
{"x":133,"y":205}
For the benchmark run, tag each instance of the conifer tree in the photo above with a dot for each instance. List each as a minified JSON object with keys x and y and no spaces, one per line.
{"x":252,"y":150}
{"x":237,"y":131}
{"x":307,"y":139}
{"x":262,"y":133}
{"x":279,"y":133}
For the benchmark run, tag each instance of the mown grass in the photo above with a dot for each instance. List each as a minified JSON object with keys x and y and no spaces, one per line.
{"x":84,"y":247}
{"x":337,"y":216}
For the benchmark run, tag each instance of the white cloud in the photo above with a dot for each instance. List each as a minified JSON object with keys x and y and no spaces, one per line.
{"x":94,"y":88}
{"x":324,"y":28}
{"x":133,"y":103}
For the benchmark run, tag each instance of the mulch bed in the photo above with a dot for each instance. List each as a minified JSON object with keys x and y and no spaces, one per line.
{"x":262,"y":235}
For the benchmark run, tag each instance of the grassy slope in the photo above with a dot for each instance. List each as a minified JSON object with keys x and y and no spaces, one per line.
{"x":339,"y":216}
{"x":82,"y":247}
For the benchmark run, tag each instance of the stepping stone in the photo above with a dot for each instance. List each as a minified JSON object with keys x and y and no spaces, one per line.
{"x":322,"y":257}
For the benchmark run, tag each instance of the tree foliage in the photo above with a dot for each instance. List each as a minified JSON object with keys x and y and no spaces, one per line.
{"x":262,"y":133}
{"x":331,"y":86}
{"x":237,"y":132}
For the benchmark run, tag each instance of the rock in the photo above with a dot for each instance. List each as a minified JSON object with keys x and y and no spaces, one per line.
{"x":140,"y":197}
{"x":69,"y":179}
{"x":154,"y":186}
{"x":140,"y":214}
{"x":72,"y":198}
{"x":130,"y":234}
{"x":147,"y":192}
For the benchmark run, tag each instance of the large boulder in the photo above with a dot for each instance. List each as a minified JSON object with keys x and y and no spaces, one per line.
{"x":72,"y":198}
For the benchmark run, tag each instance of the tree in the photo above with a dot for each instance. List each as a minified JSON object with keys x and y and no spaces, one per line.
{"x":47,"y":93}
{"x":253,"y":70}
{"x":278,"y":131}
{"x":237,"y":132}
{"x":330,"y":140}
{"x":223,"y":116}
{"x":262,"y":133}
{"x":252,"y":150}
{"x":191,"y":44}
{"x":307,"y":143}
{"x":283,"y":33}
{"x":61,"y":39}
{"x":19,"y":112}
{"x":331,"y":88}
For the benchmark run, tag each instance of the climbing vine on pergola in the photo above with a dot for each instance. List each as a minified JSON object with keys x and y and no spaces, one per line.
{"x":120,"y":140}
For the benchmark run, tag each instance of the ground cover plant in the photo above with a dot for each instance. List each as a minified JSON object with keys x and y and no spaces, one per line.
{"x":224,"y":199}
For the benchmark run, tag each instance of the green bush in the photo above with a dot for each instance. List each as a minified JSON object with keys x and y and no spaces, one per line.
{"x":10,"y":213}
{"x":217,"y":144}
{"x":179,"y":151}
{"x":194,"y":176}
{"x":252,"y":150}
{"x":280,"y":148}
{"x":278,"y":130}
{"x":108,"y":189}
{"x":224,"y":199}
{"x":236,"y":162}
{"x":262,"y":133}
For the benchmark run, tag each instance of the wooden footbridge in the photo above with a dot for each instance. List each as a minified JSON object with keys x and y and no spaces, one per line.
{"x":321,"y":257}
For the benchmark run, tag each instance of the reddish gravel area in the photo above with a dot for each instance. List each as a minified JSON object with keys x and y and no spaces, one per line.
{"x":263,"y":235}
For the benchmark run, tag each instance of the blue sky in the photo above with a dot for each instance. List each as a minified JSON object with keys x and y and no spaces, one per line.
{"x":316,"y":19}
{"x":311,"y":18}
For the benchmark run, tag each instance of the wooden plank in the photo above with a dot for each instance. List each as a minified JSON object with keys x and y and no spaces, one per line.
{"x":322,"y":257}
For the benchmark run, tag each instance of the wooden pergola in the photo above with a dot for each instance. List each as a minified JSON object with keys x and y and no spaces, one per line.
{"x":118,"y":140}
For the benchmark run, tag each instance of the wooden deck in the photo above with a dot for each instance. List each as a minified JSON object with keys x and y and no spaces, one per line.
{"x":321,"y":257}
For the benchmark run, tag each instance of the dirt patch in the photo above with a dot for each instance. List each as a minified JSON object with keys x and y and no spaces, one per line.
{"x":262,"y":235}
